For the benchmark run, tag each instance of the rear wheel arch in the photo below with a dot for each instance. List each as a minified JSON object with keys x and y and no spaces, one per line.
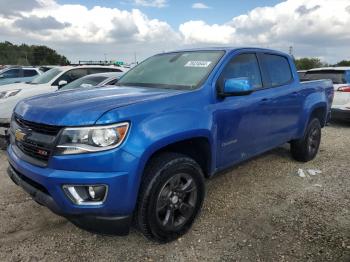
{"x":319,"y":112}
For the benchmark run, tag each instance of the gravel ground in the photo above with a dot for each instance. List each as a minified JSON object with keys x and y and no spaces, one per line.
{"x":258,"y":211}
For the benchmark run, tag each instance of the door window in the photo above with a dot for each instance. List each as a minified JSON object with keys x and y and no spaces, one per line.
{"x":71,"y":75}
{"x":12,"y":73}
{"x":277,"y":69}
{"x":243,"y":66}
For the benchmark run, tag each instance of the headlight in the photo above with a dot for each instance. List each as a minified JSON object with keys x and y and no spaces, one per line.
{"x":6,"y":94}
{"x":79,"y":140}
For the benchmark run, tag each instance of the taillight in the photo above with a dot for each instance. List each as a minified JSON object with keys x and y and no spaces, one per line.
{"x":344,"y":89}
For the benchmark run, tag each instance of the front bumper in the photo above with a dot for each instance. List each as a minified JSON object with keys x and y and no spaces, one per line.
{"x":116,"y":225}
{"x":44,"y":184}
{"x":341,"y":114}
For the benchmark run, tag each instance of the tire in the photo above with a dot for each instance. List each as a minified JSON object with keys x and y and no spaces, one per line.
{"x":306,"y":148}
{"x":170,"y":198}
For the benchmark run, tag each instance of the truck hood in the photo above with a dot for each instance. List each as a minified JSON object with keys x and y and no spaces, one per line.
{"x":84,"y":107}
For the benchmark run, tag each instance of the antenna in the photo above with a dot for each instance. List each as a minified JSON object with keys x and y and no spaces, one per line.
{"x":291,"y":51}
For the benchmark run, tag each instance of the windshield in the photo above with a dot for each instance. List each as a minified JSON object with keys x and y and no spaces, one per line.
{"x":84,"y":82}
{"x":338,"y":77}
{"x":47,"y":76}
{"x":181,"y":70}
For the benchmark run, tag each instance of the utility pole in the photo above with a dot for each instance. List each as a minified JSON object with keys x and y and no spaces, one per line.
{"x":135,"y":57}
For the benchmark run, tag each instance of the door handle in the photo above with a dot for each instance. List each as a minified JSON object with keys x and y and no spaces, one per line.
{"x":264,"y":100}
{"x":295,"y":93}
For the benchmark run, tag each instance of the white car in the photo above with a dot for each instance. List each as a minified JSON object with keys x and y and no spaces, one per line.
{"x":341,"y":82}
{"x":49,"y":81}
{"x":18,"y":74}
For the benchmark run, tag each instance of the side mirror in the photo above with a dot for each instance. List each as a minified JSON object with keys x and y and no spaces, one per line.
{"x":237,"y":87}
{"x":62,"y":83}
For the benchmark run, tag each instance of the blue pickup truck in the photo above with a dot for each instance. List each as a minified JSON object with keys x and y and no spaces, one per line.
{"x":139,"y":153}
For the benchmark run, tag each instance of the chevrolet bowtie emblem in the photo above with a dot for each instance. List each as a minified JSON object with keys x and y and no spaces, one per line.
{"x":19,"y":135}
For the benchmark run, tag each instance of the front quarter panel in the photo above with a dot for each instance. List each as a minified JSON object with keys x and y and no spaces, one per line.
{"x":156,"y":124}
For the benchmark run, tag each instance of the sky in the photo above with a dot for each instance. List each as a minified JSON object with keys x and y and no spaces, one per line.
{"x":124,"y":29}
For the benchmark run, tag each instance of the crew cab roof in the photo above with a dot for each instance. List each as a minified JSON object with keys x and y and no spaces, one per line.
{"x":229,"y":49}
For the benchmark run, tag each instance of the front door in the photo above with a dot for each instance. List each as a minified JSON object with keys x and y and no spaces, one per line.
{"x":241,"y":124}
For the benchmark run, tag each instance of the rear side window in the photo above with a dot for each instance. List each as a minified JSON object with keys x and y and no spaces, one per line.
{"x":337,"y":76}
{"x":243,"y":66}
{"x":29,"y":72}
{"x":277,"y":69}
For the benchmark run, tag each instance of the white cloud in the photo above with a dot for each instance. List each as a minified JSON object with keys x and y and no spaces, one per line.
{"x":200,"y":6}
{"x":199,"y":32}
{"x":151,"y":3}
{"x":314,"y":27}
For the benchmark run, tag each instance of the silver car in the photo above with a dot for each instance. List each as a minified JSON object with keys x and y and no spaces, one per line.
{"x":101,"y":79}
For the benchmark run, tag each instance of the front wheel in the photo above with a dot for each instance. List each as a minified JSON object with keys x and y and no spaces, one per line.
{"x":171,"y":196}
{"x":306,"y":148}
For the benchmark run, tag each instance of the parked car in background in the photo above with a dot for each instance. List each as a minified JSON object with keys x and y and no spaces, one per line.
{"x":46,"y":68}
{"x":49,"y":81}
{"x":18,"y":74}
{"x":301,"y":74}
{"x":101,"y":79}
{"x":105,"y":157}
{"x":341,"y":82}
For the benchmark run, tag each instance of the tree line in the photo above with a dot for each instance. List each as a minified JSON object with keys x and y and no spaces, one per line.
{"x":309,"y":63}
{"x":11,"y":54}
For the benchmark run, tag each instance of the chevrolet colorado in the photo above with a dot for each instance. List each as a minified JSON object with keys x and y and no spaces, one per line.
{"x":140,"y":152}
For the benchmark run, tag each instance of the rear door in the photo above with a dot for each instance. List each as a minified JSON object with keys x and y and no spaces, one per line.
{"x":283,"y":99}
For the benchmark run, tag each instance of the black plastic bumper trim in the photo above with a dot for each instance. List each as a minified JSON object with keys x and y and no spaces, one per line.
{"x":107,"y":225}
{"x":339,"y":114}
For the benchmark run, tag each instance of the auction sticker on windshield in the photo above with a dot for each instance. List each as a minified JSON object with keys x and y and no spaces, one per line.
{"x":197,"y":63}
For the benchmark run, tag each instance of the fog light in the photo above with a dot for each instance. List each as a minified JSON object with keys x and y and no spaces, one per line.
{"x":92,"y":192}
{"x":86,"y":194}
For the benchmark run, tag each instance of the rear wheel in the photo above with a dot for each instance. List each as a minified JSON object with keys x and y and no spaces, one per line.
{"x":306,"y":148}
{"x":171,"y":197}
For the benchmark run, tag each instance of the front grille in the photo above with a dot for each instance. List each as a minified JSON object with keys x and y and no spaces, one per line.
{"x":38,"y":141}
{"x":34,"y":150}
{"x":40,"y":128}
